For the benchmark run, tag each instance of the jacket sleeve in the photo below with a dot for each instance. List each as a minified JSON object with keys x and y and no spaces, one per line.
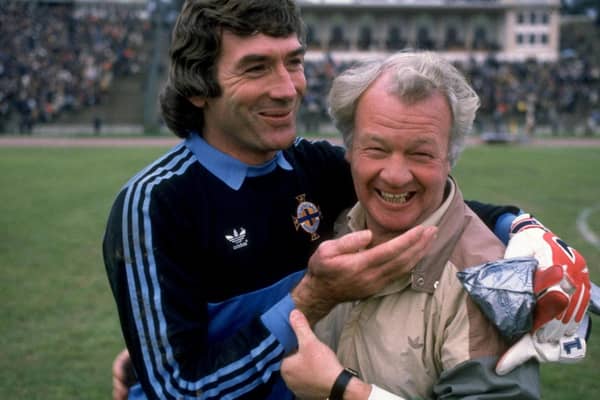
{"x":165,"y":321}
{"x":496,"y":218}
{"x":476,"y":379}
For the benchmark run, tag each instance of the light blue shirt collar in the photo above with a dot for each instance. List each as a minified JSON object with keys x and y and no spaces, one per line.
{"x":228,"y":169}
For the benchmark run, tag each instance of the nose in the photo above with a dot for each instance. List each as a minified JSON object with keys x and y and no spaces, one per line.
{"x":396,"y":171}
{"x":285,"y":85}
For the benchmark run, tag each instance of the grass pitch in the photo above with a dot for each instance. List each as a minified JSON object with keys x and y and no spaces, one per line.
{"x":59,"y":330}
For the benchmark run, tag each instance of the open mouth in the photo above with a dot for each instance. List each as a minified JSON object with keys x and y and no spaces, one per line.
{"x":276,"y":114}
{"x":277,"y":118}
{"x":396,"y":198}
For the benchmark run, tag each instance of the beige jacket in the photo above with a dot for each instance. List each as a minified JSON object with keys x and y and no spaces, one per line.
{"x":404,"y":337}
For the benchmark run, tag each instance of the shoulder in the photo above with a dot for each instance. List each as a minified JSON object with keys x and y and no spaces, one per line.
{"x":477,"y":245}
{"x":175,"y":163}
{"x":167,"y":176}
{"x":315,"y":151}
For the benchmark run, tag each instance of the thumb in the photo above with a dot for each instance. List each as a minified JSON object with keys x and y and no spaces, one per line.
{"x":301,"y":327}
{"x":518,"y":353}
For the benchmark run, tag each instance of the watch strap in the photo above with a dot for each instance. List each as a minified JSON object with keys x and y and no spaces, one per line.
{"x":340,"y":384}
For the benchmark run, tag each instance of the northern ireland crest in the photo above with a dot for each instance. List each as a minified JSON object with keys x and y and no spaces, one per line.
{"x":308,"y":217}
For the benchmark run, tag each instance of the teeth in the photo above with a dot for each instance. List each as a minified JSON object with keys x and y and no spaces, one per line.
{"x":394,"y":198}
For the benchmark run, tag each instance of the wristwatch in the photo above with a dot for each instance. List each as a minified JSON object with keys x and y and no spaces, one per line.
{"x":339,"y":386}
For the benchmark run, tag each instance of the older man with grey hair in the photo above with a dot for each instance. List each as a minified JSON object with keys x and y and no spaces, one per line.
{"x":404,"y":120}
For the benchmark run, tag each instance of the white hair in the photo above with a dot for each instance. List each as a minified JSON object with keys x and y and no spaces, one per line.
{"x":415,"y":76}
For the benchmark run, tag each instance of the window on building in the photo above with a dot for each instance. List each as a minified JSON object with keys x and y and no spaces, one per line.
{"x":480,"y":41}
{"x":424,"y":40}
{"x":520,"y":38}
{"x":544,"y":38}
{"x":311,"y":37}
{"x":452,"y":40}
{"x":520,"y":18}
{"x":545,"y":18}
{"x":532,"y":18}
{"x":531,"y":38}
{"x":394,"y":39}
{"x":365,"y":38}
{"x":337,"y":39}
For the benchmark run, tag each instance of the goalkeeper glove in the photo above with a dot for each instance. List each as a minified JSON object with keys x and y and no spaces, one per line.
{"x":562,"y":289}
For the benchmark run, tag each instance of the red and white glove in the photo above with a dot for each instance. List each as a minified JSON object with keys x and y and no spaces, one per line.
{"x":562,"y":287}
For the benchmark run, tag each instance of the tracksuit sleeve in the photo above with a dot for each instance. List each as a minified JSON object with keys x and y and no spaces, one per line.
{"x":497,"y":218}
{"x":165,"y":322}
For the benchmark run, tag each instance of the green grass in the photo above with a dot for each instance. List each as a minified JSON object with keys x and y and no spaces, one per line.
{"x":59,"y":330}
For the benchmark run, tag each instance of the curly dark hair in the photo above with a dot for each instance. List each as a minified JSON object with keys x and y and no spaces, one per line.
{"x":196,"y":45}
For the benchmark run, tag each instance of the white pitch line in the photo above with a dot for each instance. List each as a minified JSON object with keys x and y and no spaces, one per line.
{"x":584,"y":229}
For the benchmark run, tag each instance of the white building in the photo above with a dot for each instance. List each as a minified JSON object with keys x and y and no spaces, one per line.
{"x":513,"y":30}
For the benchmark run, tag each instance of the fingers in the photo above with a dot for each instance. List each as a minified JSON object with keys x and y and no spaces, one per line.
{"x":301,"y":327}
{"x":546,"y":278}
{"x":404,"y":250}
{"x":347,"y":244}
{"x":119,"y":367}
{"x":119,"y":390}
{"x":393,"y":259}
{"x":516,"y":355}
{"x":354,"y":242}
{"x":585,"y":302}
{"x":339,"y":272}
{"x":121,"y":379}
{"x":410,"y":243}
{"x":551,"y":301}
{"x":578,"y":304}
{"x":548,"y":307}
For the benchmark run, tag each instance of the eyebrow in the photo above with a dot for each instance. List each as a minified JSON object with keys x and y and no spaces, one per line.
{"x":252,"y":58}
{"x":371,"y":137}
{"x":425,"y":140}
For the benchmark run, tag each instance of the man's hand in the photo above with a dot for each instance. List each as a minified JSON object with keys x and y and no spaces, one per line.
{"x":311,"y":371}
{"x":348,"y":269}
{"x":123,"y":375}
{"x":562,"y":288}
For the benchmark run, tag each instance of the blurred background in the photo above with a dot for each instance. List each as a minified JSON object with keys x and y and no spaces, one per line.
{"x":87,"y":69}
{"x":95,"y":67}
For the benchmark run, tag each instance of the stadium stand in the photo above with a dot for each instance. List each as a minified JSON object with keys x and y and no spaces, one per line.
{"x":57,"y":59}
{"x":68,"y":62}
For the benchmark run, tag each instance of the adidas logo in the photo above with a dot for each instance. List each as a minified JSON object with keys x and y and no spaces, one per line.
{"x":238,"y":238}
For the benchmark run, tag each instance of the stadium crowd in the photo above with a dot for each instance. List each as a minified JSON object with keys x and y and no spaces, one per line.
{"x":557,"y":95}
{"x":55,"y":58}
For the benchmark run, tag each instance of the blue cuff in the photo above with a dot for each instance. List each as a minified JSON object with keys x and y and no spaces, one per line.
{"x":277,"y":320}
{"x":502,"y":227}
{"x":136,"y":393}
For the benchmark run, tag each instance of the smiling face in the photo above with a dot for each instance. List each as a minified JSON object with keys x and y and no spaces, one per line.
{"x":399,"y":158}
{"x":262,"y":81}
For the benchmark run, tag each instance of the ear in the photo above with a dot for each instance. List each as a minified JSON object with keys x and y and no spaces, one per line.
{"x":448,"y":167}
{"x":198,"y":101}
{"x":348,"y":155}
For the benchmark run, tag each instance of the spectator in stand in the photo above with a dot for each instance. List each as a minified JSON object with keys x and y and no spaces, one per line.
{"x":56,"y":58}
